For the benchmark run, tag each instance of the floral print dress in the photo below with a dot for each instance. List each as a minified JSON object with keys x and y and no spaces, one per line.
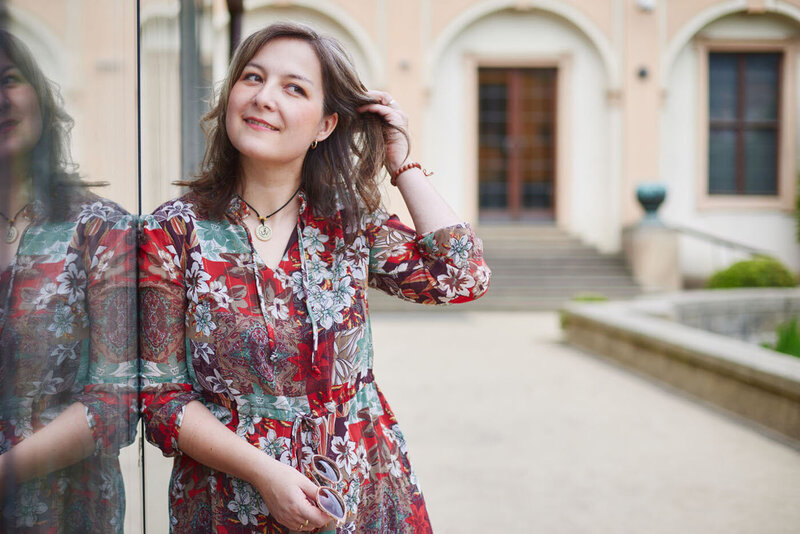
{"x":68,"y":334}
{"x":283,"y":357}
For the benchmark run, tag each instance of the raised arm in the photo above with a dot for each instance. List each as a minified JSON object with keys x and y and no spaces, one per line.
{"x":440,"y":260}
{"x":428,"y":209}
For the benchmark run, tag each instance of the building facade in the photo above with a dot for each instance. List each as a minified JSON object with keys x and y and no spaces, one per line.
{"x":544,"y":111}
{"x":528,"y":111}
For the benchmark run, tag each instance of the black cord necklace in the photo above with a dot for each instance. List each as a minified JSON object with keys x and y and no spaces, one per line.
{"x":12,"y":233}
{"x":263,"y":230}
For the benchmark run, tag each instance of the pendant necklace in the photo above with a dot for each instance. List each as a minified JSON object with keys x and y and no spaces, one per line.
{"x":12,"y":233}
{"x":263,"y":230}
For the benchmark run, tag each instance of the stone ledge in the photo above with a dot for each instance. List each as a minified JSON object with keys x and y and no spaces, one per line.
{"x":756,"y":383}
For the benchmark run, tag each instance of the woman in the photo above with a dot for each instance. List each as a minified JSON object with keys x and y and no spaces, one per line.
{"x":67,"y":320}
{"x":256,"y":339}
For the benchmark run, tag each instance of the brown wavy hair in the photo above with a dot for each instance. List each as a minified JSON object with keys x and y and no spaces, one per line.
{"x":341,"y":174}
{"x":53,"y":172}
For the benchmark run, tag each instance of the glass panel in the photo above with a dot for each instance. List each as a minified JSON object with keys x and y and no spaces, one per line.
{"x":722,"y":162}
{"x":761,"y":156}
{"x":722,"y":90}
{"x":176,"y":66}
{"x":761,"y":86}
{"x":492,"y":128}
{"x":68,"y":189}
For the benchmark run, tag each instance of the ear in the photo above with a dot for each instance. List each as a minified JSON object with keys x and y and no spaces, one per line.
{"x":326,"y":126}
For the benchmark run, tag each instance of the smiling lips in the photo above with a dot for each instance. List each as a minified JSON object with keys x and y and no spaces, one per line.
{"x":7,"y":124}
{"x":260,"y":124}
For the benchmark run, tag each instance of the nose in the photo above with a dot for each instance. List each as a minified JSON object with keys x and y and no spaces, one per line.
{"x":265,"y":97}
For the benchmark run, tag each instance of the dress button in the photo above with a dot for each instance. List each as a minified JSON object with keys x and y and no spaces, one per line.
{"x":315,"y":370}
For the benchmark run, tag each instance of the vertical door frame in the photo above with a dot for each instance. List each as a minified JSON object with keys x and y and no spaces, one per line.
{"x":561,"y":178}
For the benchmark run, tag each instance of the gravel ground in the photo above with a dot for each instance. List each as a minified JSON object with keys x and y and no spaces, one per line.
{"x":512,"y":431}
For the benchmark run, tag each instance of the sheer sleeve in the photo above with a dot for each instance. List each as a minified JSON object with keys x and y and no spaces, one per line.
{"x":110,"y":390}
{"x":439,"y":267}
{"x":166,"y":384}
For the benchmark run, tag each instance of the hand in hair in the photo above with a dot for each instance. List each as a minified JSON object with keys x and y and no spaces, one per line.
{"x":396,"y":142}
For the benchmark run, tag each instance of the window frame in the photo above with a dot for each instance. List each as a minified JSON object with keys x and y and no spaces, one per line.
{"x":787,"y":128}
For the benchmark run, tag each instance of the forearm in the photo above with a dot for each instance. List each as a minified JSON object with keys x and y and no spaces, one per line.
{"x":428,"y":209}
{"x":65,"y":441}
{"x":213,"y":444}
{"x":287,"y":493}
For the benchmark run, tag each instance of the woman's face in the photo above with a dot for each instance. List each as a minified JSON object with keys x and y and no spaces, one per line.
{"x":20,"y":116}
{"x":275,"y":108}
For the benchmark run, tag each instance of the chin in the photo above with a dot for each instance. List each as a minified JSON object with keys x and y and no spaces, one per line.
{"x":271,"y":157}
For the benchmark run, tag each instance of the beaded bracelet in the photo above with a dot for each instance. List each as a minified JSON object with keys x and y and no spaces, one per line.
{"x":404,"y":168}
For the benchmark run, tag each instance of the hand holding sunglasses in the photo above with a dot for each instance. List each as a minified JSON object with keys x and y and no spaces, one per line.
{"x":325,"y":473}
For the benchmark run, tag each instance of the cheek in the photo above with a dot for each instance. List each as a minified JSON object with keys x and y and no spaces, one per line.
{"x":310,"y":117}
{"x":36,"y":122}
{"x":230,"y":115}
{"x":31,"y":114}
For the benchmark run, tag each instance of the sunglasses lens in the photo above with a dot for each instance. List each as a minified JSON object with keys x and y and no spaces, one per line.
{"x":331,"y":503}
{"x":326,"y":468}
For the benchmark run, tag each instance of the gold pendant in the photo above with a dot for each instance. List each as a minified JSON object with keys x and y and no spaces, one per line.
{"x":12,"y":234}
{"x":263,"y":232}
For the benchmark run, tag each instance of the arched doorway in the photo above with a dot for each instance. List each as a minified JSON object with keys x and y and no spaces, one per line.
{"x":519,"y":113}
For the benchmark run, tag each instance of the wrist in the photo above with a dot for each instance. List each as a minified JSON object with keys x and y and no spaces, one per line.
{"x":392,"y":166}
{"x":406,"y":167}
{"x":263,"y":470}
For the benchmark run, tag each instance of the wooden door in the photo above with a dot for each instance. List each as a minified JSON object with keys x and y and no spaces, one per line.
{"x":516,"y":148}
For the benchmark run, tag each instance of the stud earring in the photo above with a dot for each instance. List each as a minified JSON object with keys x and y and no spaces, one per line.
{"x":314,"y":144}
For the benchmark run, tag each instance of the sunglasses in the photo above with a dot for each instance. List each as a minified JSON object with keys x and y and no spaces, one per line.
{"x":325,"y":473}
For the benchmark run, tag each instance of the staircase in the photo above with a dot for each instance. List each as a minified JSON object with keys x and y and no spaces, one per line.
{"x":537,"y":268}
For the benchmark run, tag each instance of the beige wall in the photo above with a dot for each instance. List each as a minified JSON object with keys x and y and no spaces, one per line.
{"x":88,"y":47}
{"x":617,"y":129}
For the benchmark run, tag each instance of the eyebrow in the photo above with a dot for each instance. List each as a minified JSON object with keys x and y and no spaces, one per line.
{"x":289,"y":75}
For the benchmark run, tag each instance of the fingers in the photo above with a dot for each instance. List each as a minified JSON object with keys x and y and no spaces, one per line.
{"x":291,"y":500}
{"x":316,"y":517}
{"x":383,"y":98}
{"x":303,"y":516}
{"x":384,"y":105}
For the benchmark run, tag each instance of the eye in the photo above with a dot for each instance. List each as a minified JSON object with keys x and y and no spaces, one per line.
{"x":251,"y":77}
{"x":11,"y":78}
{"x":296,"y":89}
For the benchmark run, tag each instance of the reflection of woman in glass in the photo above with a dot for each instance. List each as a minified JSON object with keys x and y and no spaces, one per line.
{"x":255,"y":331}
{"x":67,"y":322}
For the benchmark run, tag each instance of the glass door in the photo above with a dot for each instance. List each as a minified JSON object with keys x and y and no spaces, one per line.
{"x":517,"y":148}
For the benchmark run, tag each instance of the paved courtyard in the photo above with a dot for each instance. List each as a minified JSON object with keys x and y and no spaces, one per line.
{"x":512,"y":431}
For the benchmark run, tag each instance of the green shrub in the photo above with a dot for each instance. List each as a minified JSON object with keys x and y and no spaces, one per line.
{"x":761,"y":271}
{"x":788,"y":340}
{"x":589,"y":297}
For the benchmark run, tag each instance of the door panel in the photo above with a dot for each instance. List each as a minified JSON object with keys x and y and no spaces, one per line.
{"x":516,"y":158}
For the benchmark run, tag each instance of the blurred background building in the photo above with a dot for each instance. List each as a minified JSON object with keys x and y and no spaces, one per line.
{"x":535,"y":114}
{"x":539,"y":117}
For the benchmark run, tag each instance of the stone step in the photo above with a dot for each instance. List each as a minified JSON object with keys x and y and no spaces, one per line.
{"x":532,"y":269}
{"x":536,"y":267}
{"x":565,"y":292}
{"x":380,"y":302}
